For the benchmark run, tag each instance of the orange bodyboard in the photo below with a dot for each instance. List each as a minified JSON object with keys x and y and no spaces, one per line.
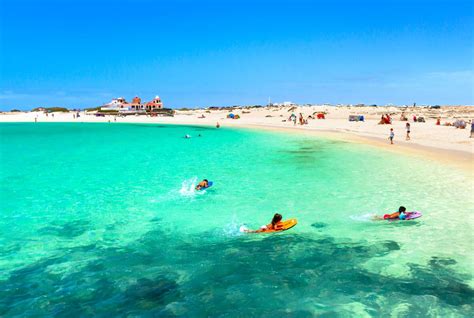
{"x":286,"y":225}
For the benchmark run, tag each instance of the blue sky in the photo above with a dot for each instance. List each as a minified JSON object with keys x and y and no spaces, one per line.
{"x":80,"y":53}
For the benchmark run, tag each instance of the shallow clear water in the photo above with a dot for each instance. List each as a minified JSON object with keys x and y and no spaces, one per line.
{"x":101,"y":219}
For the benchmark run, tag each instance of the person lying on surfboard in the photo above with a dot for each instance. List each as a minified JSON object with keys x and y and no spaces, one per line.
{"x":401,"y":214}
{"x":203,"y":184}
{"x":274,"y":225}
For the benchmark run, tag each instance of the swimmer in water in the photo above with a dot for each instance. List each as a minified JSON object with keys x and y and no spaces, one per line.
{"x":401,"y":214}
{"x":202,"y":185}
{"x":274,"y":225}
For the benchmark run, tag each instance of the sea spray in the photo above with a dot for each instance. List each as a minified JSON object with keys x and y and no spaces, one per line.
{"x":233,"y":227}
{"x":188,"y":187}
{"x":364,"y":217}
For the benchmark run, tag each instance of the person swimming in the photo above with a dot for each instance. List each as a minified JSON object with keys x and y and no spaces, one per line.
{"x":275,"y":225}
{"x":202,"y":185}
{"x":401,"y":214}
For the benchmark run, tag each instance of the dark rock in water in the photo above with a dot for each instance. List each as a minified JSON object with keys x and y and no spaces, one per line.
{"x":156,"y":220}
{"x":319,"y":225}
{"x":67,"y":230}
{"x":158,"y":290}
{"x":392,"y":245}
{"x":441,"y":261}
{"x":311,"y":273}
{"x":10,"y":249}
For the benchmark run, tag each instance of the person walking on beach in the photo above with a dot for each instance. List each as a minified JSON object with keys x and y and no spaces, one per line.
{"x":472,"y":128}
{"x":408,"y":131}
{"x":392,"y":135}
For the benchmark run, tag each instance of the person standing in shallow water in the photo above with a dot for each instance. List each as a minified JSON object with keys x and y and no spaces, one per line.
{"x":392,"y":135}
{"x":408,"y":131}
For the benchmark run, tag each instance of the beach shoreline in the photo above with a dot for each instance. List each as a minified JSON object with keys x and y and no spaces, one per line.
{"x":441,"y":143}
{"x":459,"y":158}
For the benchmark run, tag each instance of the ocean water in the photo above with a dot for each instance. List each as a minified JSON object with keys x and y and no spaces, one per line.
{"x":102,"y":220}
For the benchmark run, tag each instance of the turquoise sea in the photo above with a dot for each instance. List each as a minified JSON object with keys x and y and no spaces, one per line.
{"x":102,"y":220}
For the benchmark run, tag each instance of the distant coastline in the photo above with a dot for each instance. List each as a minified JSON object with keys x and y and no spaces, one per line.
{"x":443,"y":141}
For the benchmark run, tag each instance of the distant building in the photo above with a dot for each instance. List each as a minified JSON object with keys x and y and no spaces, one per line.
{"x":136,"y":104}
{"x":154,"y":104}
{"x":119,"y":104}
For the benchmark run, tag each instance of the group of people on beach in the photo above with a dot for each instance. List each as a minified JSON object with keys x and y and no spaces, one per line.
{"x":385,"y":120}
{"x":301,"y":120}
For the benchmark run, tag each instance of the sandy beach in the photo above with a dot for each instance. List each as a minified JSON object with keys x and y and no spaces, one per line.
{"x":440,"y":141}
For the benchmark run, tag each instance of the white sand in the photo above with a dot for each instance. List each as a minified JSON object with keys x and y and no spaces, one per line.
{"x":426,"y":138}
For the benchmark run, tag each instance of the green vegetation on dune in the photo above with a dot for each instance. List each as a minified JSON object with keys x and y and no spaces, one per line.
{"x":50,"y":109}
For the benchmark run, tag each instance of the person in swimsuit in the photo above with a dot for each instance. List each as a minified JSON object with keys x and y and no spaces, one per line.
{"x":408,"y":131}
{"x":276,"y":225}
{"x":202,"y":185}
{"x":392,"y":134}
{"x":401,"y":214}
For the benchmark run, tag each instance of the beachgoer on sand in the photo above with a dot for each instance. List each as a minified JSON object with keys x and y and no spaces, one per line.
{"x":382,"y":120}
{"x":472,"y":128}
{"x":392,"y":135}
{"x":408,"y":131}
{"x":414,"y":118}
